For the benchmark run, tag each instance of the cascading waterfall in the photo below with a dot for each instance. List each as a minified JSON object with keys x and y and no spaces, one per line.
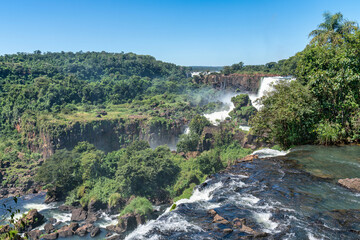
{"x":265,"y":86}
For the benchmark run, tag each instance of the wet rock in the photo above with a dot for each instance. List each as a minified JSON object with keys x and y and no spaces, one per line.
{"x":96,"y":231}
{"x":52,"y":220}
{"x":248,"y":158}
{"x":48,"y":228}
{"x":108,"y":234}
{"x":32,"y":219}
{"x":69,"y":230}
{"x":227,"y":230}
{"x":83,"y":230}
{"x":350,"y":183}
{"x":94,"y":206}
{"x":220,"y":219}
{"x":78,"y":214}
{"x":35,"y":234}
{"x":91,"y":217}
{"x":51,"y":236}
{"x":66,"y":208}
{"x":127,"y":222}
{"x":212,"y":212}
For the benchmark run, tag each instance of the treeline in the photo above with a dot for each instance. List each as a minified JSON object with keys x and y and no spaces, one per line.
{"x":322,"y":105}
{"x":51,"y":81}
{"x":285,"y":67}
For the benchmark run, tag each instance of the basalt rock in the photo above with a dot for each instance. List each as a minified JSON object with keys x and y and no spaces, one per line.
{"x":350,"y":183}
{"x":48,"y":228}
{"x":96,"y":231}
{"x":126,"y":223}
{"x":67,"y":231}
{"x":83,"y":230}
{"x":31,"y":220}
{"x":51,"y":236}
{"x":78,"y":214}
{"x":34,"y":234}
{"x":219,"y":219}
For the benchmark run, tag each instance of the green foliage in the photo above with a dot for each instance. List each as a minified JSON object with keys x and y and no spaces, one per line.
{"x":288,"y":116}
{"x":210,"y":162}
{"x":146,"y":171}
{"x":243,"y":110}
{"x":138,"y":205}
{"x":114,"y":199}
{"x":62,"y":170}
{"x":100,"y":189}
{"x":328,"y":133}
{"x":188,"y":142}
{"x":198,"y":123}
{"x":232,"y":152}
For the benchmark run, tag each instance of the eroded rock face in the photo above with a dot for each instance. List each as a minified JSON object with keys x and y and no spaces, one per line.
{"x":350,"y":183}
{"x":32,"y":219}
{"x":243,"y":82}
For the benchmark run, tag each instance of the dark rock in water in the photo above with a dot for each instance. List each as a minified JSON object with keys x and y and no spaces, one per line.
{"x":78,"y":214}
{"x":116,"y":237}
{"x":96,"y":231}
{"x":68,"y":231}
{"x":51,"y":236}
{"x":83,"y":230}
{"x":66,"y":208}
{"x":35,"y":234}
{"x":52,"y":220}
{"x":350,"y":183}
{"x":108,"y":234}
{"x":127,"y":222}
{"x":32,"y":220}
{"x":91,"y":217}
{"x":48,"y":228}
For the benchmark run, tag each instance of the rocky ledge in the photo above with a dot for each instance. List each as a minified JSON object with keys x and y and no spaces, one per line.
{"x":350,"y":183}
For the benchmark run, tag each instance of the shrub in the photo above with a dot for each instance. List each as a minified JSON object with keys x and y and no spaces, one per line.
{"x":139,"y":205}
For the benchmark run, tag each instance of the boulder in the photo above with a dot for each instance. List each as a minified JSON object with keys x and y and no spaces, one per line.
{"x":212,"y":212}
{"x":227,"y":230}
{"x":127,"y":222}
{"x":31,"y":220}
{"x":48,"y":228}
{"x":52,"y":220}
{"x":96,"y":231}
{"x":50,"y":236}
{"x":67,"y":231}
{"x":34,"y":234}
{"x":78,"y":214}
{"x":83,"y":230}
{"x":350,"y":183}
{"x":220,"y":219}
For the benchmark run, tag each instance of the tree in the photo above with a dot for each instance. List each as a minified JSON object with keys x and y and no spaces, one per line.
{"x":333,"y":29}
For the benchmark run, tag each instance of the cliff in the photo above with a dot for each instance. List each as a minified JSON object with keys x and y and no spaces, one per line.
{"x":242,"y":82}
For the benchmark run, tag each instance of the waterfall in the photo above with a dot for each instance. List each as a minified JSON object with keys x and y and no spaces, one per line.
{"x":266,"y":86}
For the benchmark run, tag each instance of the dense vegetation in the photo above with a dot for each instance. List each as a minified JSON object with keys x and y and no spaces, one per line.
{"x":283,"y":67}
{"x":322,"y":105}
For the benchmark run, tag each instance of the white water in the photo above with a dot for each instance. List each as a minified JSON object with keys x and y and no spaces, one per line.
{"x":267,"y":85}
{"x":267,"y":152}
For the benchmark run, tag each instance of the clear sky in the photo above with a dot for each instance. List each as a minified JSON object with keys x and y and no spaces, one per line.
{"x":187,"y":32}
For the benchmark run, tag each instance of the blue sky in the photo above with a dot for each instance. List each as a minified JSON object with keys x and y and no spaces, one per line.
{"x":183,"y":32}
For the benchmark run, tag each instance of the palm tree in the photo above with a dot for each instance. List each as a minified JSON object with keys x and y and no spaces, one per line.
{"x":333,"y":29}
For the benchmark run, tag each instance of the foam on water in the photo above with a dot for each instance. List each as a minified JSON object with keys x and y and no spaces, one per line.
{"x":107,"y":220}
{"x":62,"y":217}
{"x":202,"y":195}
{"x":267,"y":152}
{"x":168,"y":222}
{"x":264,"y":219}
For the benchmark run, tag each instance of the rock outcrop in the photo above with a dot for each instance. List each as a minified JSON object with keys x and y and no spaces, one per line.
{"x":30,"y":221}
{"x":242,"y":82}
{"x":350,"y":183}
